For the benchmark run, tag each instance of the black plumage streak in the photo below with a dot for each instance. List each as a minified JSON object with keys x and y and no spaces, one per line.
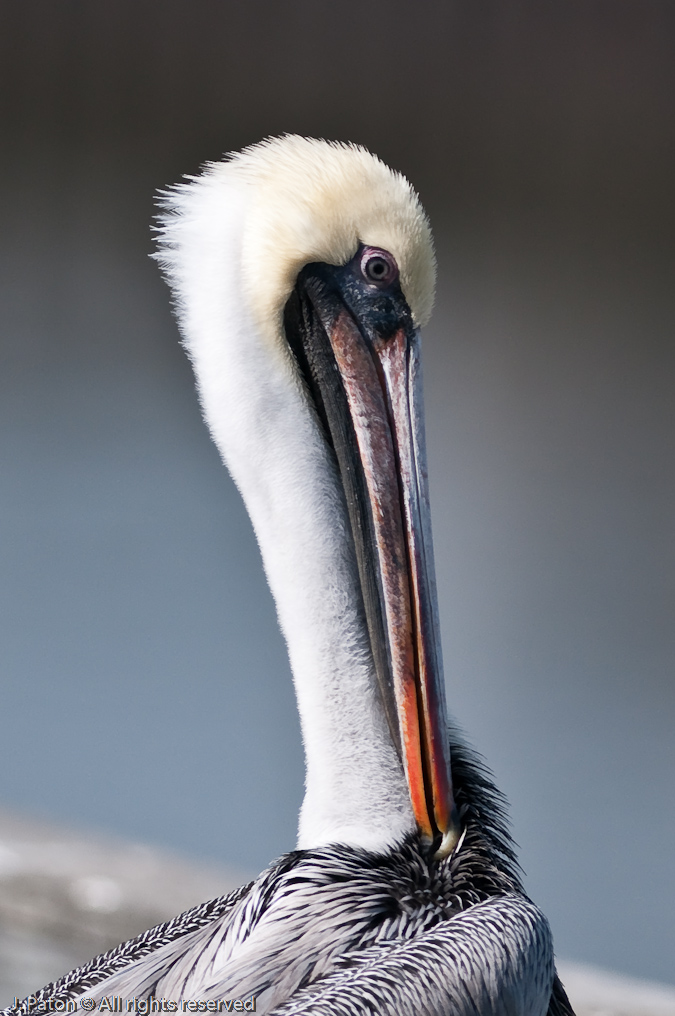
{"x":408,"y":894}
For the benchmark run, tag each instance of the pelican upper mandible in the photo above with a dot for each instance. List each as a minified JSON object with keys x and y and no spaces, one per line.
{"x":302,"y":272}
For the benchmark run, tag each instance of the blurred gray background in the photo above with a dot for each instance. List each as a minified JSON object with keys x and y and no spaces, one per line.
{"x":145,"y":689}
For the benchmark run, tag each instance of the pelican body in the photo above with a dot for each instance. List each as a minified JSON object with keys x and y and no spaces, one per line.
{"x":302,"y":272}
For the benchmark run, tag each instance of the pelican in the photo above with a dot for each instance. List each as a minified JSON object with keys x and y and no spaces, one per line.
{"x":302,"y":272}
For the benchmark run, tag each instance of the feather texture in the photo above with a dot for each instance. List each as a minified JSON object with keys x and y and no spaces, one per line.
{"x":312,"y":200}
{"x":342,"y":930}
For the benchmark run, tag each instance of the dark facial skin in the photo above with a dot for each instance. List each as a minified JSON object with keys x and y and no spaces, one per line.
{"x":369,"y":286}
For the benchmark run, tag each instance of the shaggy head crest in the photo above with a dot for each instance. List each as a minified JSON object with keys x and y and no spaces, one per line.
{"x":310,"y":200}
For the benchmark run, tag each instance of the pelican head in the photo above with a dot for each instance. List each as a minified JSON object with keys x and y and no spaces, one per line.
{"x":302,"y":271}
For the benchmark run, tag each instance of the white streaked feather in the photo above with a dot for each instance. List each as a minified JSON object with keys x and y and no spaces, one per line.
{"x":308,"y":944}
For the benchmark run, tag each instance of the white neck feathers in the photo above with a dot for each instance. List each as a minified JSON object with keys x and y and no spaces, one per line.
{"x":261,"y":420}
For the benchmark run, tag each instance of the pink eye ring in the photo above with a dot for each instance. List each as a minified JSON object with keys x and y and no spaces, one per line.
{"x":378,"y":267}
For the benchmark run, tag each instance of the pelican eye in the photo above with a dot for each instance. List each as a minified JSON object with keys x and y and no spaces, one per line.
{"x":378,"y":267}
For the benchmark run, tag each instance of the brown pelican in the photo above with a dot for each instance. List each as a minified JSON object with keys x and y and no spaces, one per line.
{"x":302,"y":272}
